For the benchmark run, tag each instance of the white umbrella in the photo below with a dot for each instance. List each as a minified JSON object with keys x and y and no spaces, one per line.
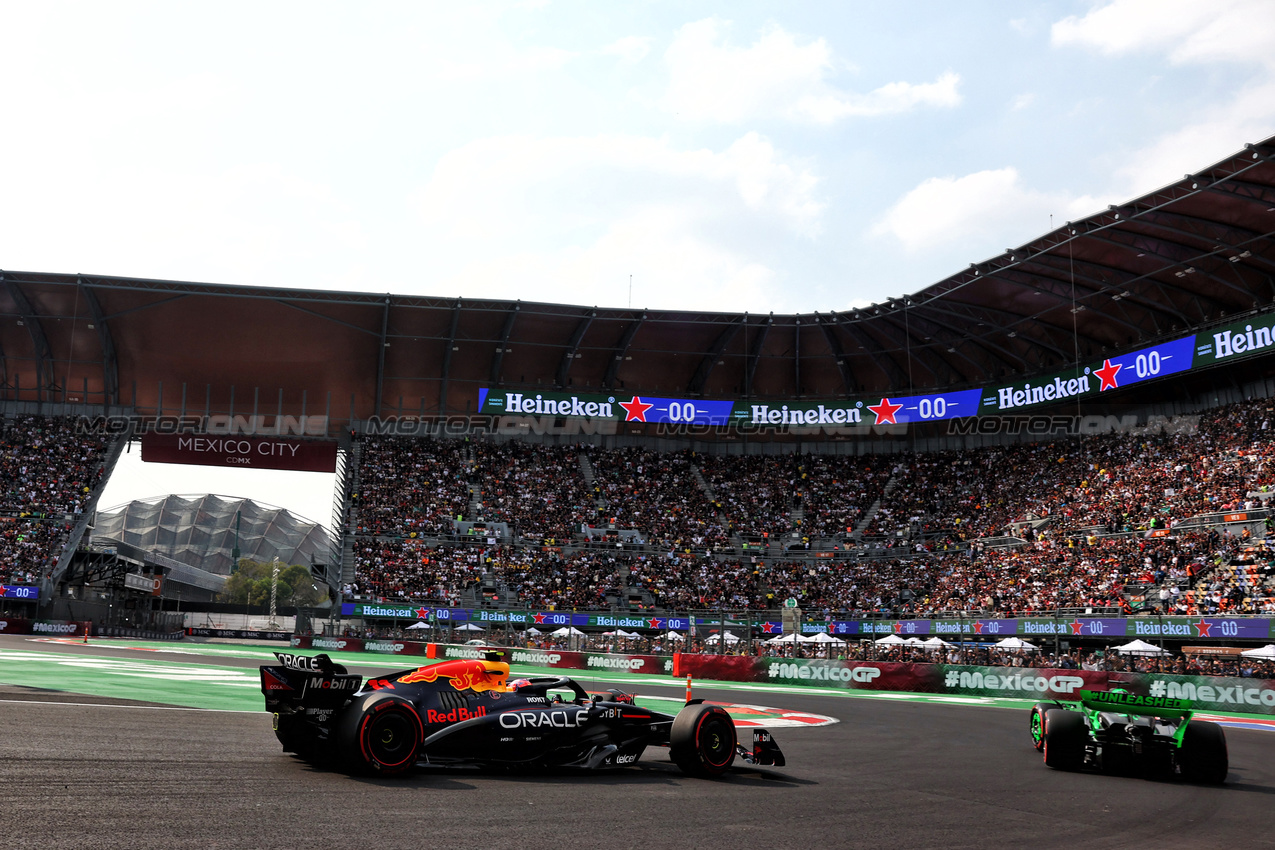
{"x":1014,"y":643}
{"x":937,"y":642}
{"x":566,"y":630}
{"x":469,"y":627}
{"x":792,"y":637}
{"x":890,"y":640}
{"x":1267,"y":652}
{"x":624,"y":634}
{"x":1140,"y":647}
{"x":824,"y":637}
{"x":533,"y":631}
{"x":420,"y":625}
{"x":914,"y":641}
{"x":674,"y":636}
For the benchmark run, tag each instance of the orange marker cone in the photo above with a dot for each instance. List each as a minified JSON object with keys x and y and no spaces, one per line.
{"x":688,"y":687}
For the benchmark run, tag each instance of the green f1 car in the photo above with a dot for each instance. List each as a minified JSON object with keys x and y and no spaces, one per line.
{"x":1127,"y":734}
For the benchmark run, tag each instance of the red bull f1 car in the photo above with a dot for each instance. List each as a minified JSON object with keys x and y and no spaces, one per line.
{"x":1123,"y":733}
{"x":468,"y":713}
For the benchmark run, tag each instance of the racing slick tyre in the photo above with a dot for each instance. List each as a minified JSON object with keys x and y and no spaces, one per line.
{"x":702,"y":740}
{"x":380,"y":734}
{"x":1203,"y":753}
{"x":1065,"y":739}
{"x":1037,"y":723}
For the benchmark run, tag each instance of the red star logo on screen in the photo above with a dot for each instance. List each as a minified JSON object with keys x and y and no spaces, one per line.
{"x":1076,"y":626}
{"x":885,"y":412}
{"x":1203,"y":628}
{"x":655,"y":623}
{"x":635,"y":410}
{"x":1108,"y":374}
{"x":422,"y":613}
{"x":978,"y":627}
{"x":769,"y":628}
{"x":540,"y":619}
{"x":898,"y":628}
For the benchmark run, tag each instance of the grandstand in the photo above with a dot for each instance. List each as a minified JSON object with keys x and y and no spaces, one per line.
{"x":1080,"y":423}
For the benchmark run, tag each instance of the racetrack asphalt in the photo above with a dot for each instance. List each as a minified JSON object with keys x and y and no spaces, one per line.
{"x":89,"y":771}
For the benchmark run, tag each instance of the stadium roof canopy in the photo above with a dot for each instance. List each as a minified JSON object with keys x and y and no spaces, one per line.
{"x":203,"y":530}
{"x":1184,"y":257}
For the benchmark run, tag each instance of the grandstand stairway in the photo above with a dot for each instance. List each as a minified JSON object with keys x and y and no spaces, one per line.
{"x":871,"y":513}
{"x":77,"y":531}
{"x":590,"y":481}
{"x":346,"y":523}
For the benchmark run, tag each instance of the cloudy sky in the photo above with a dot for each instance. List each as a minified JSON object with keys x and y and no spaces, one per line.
{"x":762,"y":156}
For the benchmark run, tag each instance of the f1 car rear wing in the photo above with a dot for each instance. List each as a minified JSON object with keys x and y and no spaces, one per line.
{"x":308,"y":681}
{"x":1163,"y":707}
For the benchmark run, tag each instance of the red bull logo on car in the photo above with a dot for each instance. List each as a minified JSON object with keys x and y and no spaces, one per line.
{"x":463,"y":675}
{"x":458,"y":715}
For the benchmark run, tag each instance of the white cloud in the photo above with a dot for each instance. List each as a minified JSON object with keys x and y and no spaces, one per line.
{"x":987,"y":210}
{"x":1188,"y":30}
{"x":1023,"y":101}
{"x":575,"y":216}
{"x":711,"y":80}
{"x":631,"y":49}
{"x":658,"y":245}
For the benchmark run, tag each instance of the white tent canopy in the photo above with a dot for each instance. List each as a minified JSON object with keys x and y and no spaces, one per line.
{"x":1140,"y":647}
{"x":1267,"y":652}
{"x":937,"y":642}
{"x":824,"y":637}
{"x":533,"y":631}
{"x":890,"y":640}
{"x":672,"y":635}
{"x":420,"y":625}
{"x":790,"y":638}
{"x":1014,"y":643}
{"x":565,"y":631}
{"x":469,"y":627}
{"x":728,"y":636}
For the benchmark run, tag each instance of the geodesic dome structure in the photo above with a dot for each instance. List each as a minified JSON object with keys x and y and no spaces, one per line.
{"x":202,"y":530}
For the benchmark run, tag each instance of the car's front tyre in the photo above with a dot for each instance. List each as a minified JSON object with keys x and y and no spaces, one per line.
{"x":702,"y":740}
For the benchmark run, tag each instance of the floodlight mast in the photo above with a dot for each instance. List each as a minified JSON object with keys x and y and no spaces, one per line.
{"x":274,"y":593}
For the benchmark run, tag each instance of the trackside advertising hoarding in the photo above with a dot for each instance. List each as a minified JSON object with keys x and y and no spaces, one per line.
{"x":1028,"y":628}
{"x":1211,"y":693}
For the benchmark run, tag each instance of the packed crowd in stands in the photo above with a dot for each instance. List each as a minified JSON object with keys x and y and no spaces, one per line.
{"x":1083,"y":509}
{"x":408,"y":487}
{"x":538,"y":490}
{"x":658,"y":494}
{"x":47,"y":474}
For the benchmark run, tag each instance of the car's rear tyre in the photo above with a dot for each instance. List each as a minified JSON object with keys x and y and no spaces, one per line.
{"x":1036,"y":725}
{"x":1065,"y":739}
{"x":1203,"y":754}
{"x":380,"y":734}
{"x":702,"y":740}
